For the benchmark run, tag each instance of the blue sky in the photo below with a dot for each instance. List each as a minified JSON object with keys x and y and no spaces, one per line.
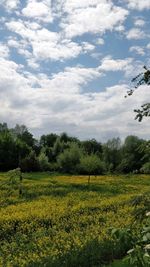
{"x":67,"y":64}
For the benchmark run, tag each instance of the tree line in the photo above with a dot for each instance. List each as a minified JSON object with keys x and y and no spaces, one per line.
{"x":65,"y":154}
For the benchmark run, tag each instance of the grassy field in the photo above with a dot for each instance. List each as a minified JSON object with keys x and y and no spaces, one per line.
{"x":61,"y":221}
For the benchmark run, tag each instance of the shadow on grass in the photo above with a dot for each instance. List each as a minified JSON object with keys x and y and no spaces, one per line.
{"x":56,"y":189}
{"x":94,"y":253}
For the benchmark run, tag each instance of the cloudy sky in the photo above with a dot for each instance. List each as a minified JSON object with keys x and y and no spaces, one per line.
{"x":65,"y":65}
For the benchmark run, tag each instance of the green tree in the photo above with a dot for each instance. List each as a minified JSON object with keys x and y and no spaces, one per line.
{"x":57,"y":148}
{"x":145,"y":168}
{"x":3,"y":127}
{"x":22,"y":150}
{"x":132,"y":155}
{"x":70,"y":159}
{"x":21,"y":132}
{"x":91,"y":165}
{"x":112,"y":154}
{"x":48,"y":140}
{"x":30,"y":162}
{"x":43,"y":161}
{"x":144,"y":148}
{"x":92,"y":147}
{"x":64,"y":137}
{"x":8,"y":152}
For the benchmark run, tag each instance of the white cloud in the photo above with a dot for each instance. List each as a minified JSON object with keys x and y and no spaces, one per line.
{"x":32,"y":63}
{"x":139,"y":4}
{"x":91,"y":17}
{"x":139,"y":23}
{"x":58,"y":104}
{"x":4,"y":51}
{"x":10,"y":5}
{"x":22,"y":46}
{"x":100,"y":41}
{"x":110,"y":64}
{"x":45,"y":44}
{"x":87,"y":46}
{"x":148,"y":46}
{"x":138,"y":50}
{"x":55,"y":50}
{"x":13,"y":43}
{"x":70,"y":5}
{"x":136,"y":34}
{"x":38,"y":10}
{"x":75,"y":76}
{"x":120,"y":28}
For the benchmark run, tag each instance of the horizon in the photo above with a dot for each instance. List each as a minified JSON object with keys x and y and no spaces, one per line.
{"x":37,"y":138}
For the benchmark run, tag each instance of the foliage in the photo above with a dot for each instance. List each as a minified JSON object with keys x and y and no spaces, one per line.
{"x":112,"y":154}
{"x":139,"y":255}
{"x":92,"y":147}
{"x":48,"y":140}
{"x":58,"y":148}
{"x":15,"y":174}
{"x":69,"y":160}
{"x":91,"y":165}
{"x":13,"y":182}
{"x":30,"y":162}
{"x":138,"y":236}
{"x":62,"y":153}
{"x":21,"y":132}
{"x":143,"y":112}
{"x":145,"y":168}
{"x":140,"y":79}
{"x":132,"y":155}
{"x":8,"y":151}
{"x":43,"y":161}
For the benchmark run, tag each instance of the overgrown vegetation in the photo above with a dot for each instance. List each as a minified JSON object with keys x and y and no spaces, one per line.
{"x":63,"y":221}
{"x":66,"y":154}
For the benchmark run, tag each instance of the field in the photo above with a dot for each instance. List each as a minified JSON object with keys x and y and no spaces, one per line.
{"x":63,"y":221}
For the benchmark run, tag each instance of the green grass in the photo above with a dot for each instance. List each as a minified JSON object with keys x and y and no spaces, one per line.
{"x":61,"y":221}
{"x":118,"y":263}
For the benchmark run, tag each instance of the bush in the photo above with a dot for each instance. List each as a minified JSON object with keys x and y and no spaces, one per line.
{"x":91,"y":165}
{"x":30,"y":163}
{"x":145,"y":168}
{"x":69,"y":160}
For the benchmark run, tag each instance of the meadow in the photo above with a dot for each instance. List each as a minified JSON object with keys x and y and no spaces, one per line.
{"x":63,"y":221}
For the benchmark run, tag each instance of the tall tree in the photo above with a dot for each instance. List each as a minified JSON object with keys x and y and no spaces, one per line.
{"x":112,"y":153}
{"x":21,"y":132}
{"x":92,"y":147}
{"x":132,"y":155}
{"x":48,"y":140}
{"x":8,"y":152}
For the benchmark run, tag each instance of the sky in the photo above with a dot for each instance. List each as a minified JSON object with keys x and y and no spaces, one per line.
{"x":66,"y":65}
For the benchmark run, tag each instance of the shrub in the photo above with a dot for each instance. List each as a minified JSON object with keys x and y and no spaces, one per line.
{"x":145,"y":168}
{"x":43,"y":161}
{"x":30,"y":163}
{"x":69,"y":160}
